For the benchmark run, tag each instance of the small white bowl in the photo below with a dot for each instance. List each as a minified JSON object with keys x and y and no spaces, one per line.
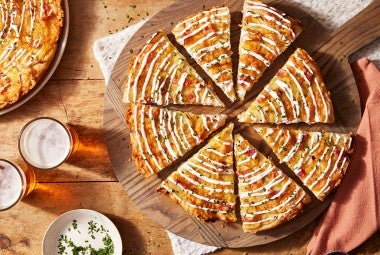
{"x":76,"y":226}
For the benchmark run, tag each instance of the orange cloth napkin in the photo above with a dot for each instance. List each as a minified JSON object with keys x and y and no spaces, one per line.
{"x":354,"y":214}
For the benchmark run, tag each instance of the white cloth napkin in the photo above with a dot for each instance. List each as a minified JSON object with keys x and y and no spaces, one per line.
{"x":108,"y":48}
{"x":330,"y":14}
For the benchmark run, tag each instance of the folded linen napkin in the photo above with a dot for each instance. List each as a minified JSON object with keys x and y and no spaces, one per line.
{"x":354,"y":214}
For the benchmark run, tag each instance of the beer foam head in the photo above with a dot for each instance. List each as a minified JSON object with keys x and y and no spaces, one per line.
{"x":45,"y":143}
{"x":11,"y":185}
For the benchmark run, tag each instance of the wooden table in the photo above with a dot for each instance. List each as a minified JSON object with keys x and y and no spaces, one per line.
{"x":75,"y":94}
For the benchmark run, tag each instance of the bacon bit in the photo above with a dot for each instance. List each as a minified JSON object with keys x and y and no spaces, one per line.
{"x":226,"y":148}
{"x":46,"y":7}
{"x":186,"y":32}
{"x":338,"y":151}
{"x":263,"y":97}
{"x":304,"y":137}
{"x":190,"y":97}
{"x":309,"y":75}
{"x":302,"y":174}
{"x":250,"y":152}
{"x":210,"y":29}
{"x":189,"y":82}
{"x":247,"y":80}
{"x":202,"y":136}
{"x":251,"y":219}
{"x":282,"y":73}
{"x":243,"y":218}
{"x":225,"y":207}
{"x":4,"y":35}
{"x":181,"y":183}
{"x":272,"y":193}
{"x":196,"y":178}
{"x":47,"y":11}
{"x":257,"y":36}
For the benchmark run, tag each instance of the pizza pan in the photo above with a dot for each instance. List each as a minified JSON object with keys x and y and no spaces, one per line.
{"x":53,"y":65}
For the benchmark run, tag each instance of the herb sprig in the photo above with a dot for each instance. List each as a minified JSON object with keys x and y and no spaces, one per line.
{"x":67,"y":246}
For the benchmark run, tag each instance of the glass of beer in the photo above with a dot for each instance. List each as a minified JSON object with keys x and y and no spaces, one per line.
{"x":15,"y":183}
{"x":46,"y":143}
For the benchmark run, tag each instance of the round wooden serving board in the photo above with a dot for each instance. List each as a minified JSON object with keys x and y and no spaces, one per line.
{"x":330,"y":52}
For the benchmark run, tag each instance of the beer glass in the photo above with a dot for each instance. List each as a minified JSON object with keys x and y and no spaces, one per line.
{"x":15,"y":183}
{"x":46,"y":143}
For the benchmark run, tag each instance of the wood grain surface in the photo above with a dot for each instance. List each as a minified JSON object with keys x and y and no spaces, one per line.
{"x":330,"y":52}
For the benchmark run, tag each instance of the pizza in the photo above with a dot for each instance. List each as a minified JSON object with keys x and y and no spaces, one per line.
{"x":29,"y":33}
{"x":159,"y":74}
{"x":206,"y":37}
{"x":267,"y":196}
{"x":204,"y":184}
{"x":319,"y":159}
{"x":266,"y":32}
{"x":160,"y":136}
{"x":296,"y":93}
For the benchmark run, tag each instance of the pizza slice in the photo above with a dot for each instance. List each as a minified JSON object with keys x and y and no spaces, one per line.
{"x":296,"y":93}
{"x":267,"y":196}
{"x":266,"y":32}
{"x":160,"y":136}
{"x":204,"y":184}
{"x":206,"y":37}
{"x":159,"y":74}
{"x":319,"y":159}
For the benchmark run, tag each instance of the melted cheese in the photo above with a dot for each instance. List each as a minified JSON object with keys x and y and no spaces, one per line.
{"x":312,"y":156}
{"x":266,"y":33}
{"x":206,"y":181}
{"x":161,"y":136}
{"x":159,"y":74}
{"x":179,"y":199}
{"x":29,"y":33}
{"x":292,"y":95}
{"x":267,"y":196}
{"x":206,"y":37}
{"x":280,"y":215}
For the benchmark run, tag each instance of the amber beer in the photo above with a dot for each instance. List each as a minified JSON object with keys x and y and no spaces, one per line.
{"x":15,"y":183}
{"x":46,"y":143}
